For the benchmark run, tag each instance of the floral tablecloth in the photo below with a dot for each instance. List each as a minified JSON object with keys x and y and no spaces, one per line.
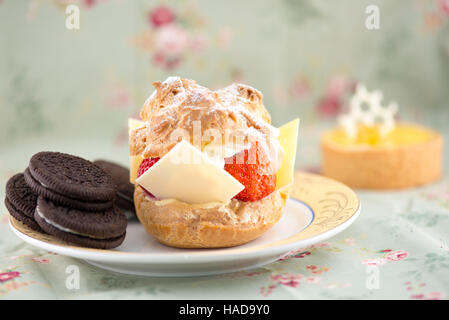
{"x":398,"y":248}
{"x":71,"y":89}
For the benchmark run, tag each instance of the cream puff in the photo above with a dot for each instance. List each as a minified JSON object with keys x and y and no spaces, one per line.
{"x":232,"y":196}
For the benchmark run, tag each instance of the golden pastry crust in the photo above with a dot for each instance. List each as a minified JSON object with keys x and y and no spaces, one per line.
{"x":183,"y":225}
{"x":178,"y":103}
{"x":386,"y":167}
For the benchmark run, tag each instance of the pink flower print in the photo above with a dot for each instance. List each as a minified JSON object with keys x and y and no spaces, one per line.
{"x":299,"y":88}
{"x":40,"y":260}
{"x":266,"y":291}
{"x":428,"y":296}
{"x":158,"y":59}
{"x":315,"y":269}
{"x":8,"y":275}
{"x":374,"y":262}
{"x":166,"y":62}
{"x":385,"y":250}
{"x":117,"y":96}
{"x":329,"y":106}
{"x":289,"y":280}
{"x":339,"y":85}
{"x":171,"y":40}
{"x":349,"y":241}
{"x":161,"y":15}
{"x":444,"y":6}
{"x":89,"y":3}
{"x":296,"y":251}
{"x":434,"y":295}
{"x":198,"y":43}
{"x":313,"y":280}
{"x":302,"y":254}
{"x":331,"y":103}
{"x":224,"y":37}
{"x":311,"y":267}
{"x":396,"y":255}
{"x":284,"y":257}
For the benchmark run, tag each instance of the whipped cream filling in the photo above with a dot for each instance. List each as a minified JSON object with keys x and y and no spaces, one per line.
{"x":206,"y":205}
{"x":167,"y":201}
{"x":218,"y":153}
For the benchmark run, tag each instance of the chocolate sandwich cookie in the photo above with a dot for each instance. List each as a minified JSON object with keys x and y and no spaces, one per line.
{"x":21,"y":201}
{"x":71,"y":181}
{"x":125,"y":190}
{"x":101,"y":230}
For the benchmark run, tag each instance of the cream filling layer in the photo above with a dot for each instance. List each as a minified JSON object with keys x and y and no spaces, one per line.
{"x":205,"y":205}
{"x":59,"y":227}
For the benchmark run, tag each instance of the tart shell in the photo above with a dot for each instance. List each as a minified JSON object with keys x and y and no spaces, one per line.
{"x":383,"y":167}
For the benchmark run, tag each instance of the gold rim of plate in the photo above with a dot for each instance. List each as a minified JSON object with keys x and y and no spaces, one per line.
{"x":332,"y":203}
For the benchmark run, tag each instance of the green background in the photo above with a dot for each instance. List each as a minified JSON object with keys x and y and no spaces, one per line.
{"x":73,"y":90}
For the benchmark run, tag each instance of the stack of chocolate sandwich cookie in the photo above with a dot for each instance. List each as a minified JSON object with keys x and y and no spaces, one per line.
{"x":75,"y":200}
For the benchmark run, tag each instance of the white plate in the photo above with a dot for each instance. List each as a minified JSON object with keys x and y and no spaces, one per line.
{"x":319,"y":208}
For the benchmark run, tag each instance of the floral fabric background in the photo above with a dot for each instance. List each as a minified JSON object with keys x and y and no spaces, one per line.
{"x":73,"y":90}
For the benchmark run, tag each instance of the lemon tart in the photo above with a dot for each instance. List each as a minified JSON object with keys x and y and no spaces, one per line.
{"x":369,"y":150}
{"x":407,"y":156}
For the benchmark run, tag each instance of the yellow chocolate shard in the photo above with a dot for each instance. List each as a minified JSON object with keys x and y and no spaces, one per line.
{"x":288,"y":139}
{"x":134,"y":164}
{"x":134,"y":161}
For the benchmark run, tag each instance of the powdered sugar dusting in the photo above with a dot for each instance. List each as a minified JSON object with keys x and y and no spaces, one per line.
{"x":238,"y":108}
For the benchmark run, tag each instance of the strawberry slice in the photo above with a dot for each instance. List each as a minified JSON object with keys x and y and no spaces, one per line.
{"x":253,"y":169}
{"x":144,"y":166}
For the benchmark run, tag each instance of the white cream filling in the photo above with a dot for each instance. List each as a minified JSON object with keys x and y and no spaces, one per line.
{"x":206,"y":205}
{"x":59,"y":227}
